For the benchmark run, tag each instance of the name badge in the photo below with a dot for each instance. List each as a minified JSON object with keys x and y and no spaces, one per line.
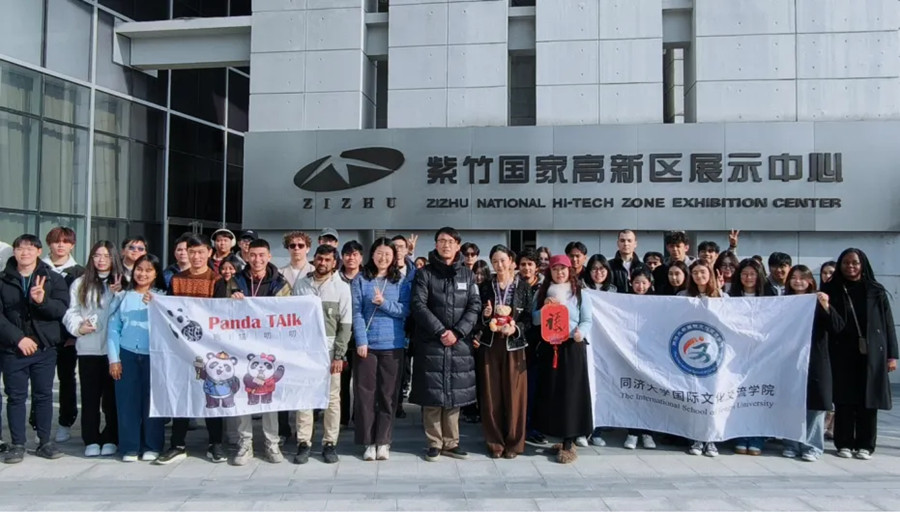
{"x":461,"y":286}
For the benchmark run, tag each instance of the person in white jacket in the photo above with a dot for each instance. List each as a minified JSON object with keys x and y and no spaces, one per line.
{"x":89,"y":299}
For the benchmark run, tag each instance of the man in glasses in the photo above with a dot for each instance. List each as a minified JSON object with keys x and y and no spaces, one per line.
{"x":297,"y":244}
{"x":132,"y":248}
{"x":470,"y":253}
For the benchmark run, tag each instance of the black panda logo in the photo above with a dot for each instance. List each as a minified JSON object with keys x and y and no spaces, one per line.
{"x":190,"y":330}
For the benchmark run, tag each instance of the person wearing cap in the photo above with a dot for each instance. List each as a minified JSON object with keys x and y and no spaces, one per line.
{"x":328,"y":236}
{"x":223,"y":241}
{"x":297,"y":244}
{"x":247,"y":236}
{"x":563,"y":397}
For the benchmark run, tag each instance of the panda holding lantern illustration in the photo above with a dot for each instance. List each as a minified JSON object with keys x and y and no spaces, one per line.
{"x":261,"y":377}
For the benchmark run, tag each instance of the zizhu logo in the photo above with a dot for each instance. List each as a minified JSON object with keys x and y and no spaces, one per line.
{"x":354,"y":168}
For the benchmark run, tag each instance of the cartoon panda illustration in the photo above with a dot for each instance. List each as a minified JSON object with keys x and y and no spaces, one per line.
{"x":259,"y":382}
{"x":190,"y":330}
{"x":219,"y":381}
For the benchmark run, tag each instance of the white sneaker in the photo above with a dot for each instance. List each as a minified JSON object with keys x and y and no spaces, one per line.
{"x":696,"y":448}
{"x":92,"y":450}
{"x":597,"y":441}
{"x":789,"y":454}
{"x":369,"y":454}
{"x":581,"y":441}
{"x":63,"y":434}
{"x":711,"y":450}
{"x":809,"y":457}
{"x":109,"y":449}
{"x":383,"y":452}
{"x":648,"y":442}
{"x":131,"y":457}
{"x":863,"y":455}
{"x":630,"y":442}
{"x":845,"y":453}
{"x":149,"y":456}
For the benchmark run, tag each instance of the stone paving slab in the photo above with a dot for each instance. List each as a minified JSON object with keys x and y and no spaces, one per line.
{"x":609,"y":478}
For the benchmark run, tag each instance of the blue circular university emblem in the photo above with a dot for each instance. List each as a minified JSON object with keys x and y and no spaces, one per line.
{"x":697,"y":348}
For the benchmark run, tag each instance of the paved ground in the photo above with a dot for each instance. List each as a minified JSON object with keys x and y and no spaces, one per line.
{"x":608,"y":478}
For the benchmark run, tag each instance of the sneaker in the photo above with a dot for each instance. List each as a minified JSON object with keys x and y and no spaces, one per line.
{"x":711,"y":450}
{"x":243,"y":455}
{"x":216,"y":453}
{"x":432,"y":454}
{"x":647,"y":442}
{"x":630,"y":442}
{"x":455,"y":453}
{"x":369,"y":454}
{"x":281,"y":440}
{"x":383,"y":452}
{"x":3,"y":447}
{"x":696,"y":448}
{"x":302,"y":456}
{"x":130,"y":457}
{"x":809,"y":457}
{"x":863,"y":455}
{"x":597,"y":441}
{"x":15,"y":454}
{"x":273,"y":455}
{"x":63,"y":434}
{"x":537,"y":440}
{"x":754,"y":450}
{"x":149,"y":456}
{"x":789,"y":454}
{"x":329,"y":454}
{"x":740,"y":449}
{"x":108,"y":449}
{"x":581,"y":441}
{"x":174,"y":454}
{"x":92,"y":450}
{"x":48,"y":450}
{"x":845,"y":453}
{"x":401,"y":414}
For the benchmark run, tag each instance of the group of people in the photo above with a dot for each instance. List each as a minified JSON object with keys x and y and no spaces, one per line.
{"x":458,"y":338}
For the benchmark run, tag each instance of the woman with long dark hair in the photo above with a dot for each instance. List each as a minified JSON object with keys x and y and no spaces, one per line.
{"x":501,"y":345}
{"x":863,"y":352}
{"x":597,"y":274}
{"x":128,"y":346}
{"x":380,"y":307}
{"x":86,"y":318}
{"x":679,"y":278}
{"x":563,"y":397}
{"x":726,"y":266}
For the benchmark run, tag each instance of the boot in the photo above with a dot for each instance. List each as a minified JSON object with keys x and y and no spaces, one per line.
{"x":567,"y":456}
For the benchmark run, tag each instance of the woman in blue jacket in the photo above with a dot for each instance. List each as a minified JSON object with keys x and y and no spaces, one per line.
{"x":380,"y":307}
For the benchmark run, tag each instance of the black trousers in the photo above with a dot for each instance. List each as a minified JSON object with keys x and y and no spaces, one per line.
{"x":215,"y":427}
{"x":376,"y":389}
{"x":346,"y":376}
{"x":66,"y":362}
{"x":38,"y":371}
{"x":98,"y":393}
{"x":855,"y":427}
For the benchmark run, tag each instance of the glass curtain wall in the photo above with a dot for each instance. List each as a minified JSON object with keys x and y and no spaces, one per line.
{"x":49,"y":68}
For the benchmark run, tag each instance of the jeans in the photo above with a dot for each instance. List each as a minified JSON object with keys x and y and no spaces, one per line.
{"x":751,"y":442}
{"x":815,"y":435}
{"x":19,"y":371}
{"x":138,"y":432}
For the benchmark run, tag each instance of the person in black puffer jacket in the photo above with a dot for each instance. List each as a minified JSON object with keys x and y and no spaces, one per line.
{"x":34,"y":300}
{"x":445,"y":305}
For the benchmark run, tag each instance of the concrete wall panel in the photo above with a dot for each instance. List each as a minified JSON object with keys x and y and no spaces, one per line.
{"x":745,"y":58}
{"x":567,"y":20}
{"x":417,"y":25}
{"x":283,"y":72}
{"x":484,"y":106}
{"x":276,"y":112}
{"x":567,"y":63}
{"x":848,"y":99}
{"x":630,"y":60}
{"x":335,"y":29}
{"x":630,"y":19}
{"x":844,"y":16}
{"x":334,"y":71}
{"x":763,"y":100}
{"x":568,"y":104}
{"x":478,"y":22}
{"x":631,"y":103}
{"x":743,"y":17}
{"x":333,"y":111}
{"x":419,"y":108}
{"x":838,"y":55}
{"x":477,"y":65}
{"x":420,"y":67}
{"x":278,"y":31}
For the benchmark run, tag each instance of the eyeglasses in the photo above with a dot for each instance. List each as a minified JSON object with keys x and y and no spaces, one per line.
{"x":100,"y":256}
{"x":445,"y":241}
{"x":137,"y":248}
{"x":598,"y":269}
{"x":297,"y":246}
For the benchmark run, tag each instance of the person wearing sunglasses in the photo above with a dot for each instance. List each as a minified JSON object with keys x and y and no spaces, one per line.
{"x":132,"y":248}
{"x":470,"y":253}
{"x":297,"y":244}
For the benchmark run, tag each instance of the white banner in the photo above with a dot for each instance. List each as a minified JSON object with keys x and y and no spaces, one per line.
{"x":227,"y":357}
{"x":704,"y":369}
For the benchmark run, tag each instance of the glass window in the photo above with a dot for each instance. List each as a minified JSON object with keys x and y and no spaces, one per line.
{"x":119,"y":116}
{"x":110,"y":185}
{"x":234,"y":190}
{"x":200,"y":93}
{"x":13,"y":224}
{"x":145,"y":182}
{"x":199,"y":8}
{"x":83,"y":242}
{"x":22,"y":29}
{"x":64,"y":155}
{"x":240,"y":8}
{"x":196,"y":139}
{"x":20,"y":88}
{"x":109,"y":229}
{"x":195,"y":187}
{"x":66,"y":102}
{"x":139,"y":10}
{"x":69,"y":37}
{"x":18,"y":161}
{"x":238,"y":101}
{"x":118,"y":78}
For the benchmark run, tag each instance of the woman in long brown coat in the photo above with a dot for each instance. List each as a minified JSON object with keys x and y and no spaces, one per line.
{"x":501,"y":356}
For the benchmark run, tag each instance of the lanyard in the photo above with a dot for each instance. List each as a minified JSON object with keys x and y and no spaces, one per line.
{"x":255,"y":291}
{"x":26,"y":284}
{"x":504,"y":297}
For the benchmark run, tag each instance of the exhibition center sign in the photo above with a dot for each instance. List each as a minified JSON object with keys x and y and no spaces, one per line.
{"x":824,"y":176}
